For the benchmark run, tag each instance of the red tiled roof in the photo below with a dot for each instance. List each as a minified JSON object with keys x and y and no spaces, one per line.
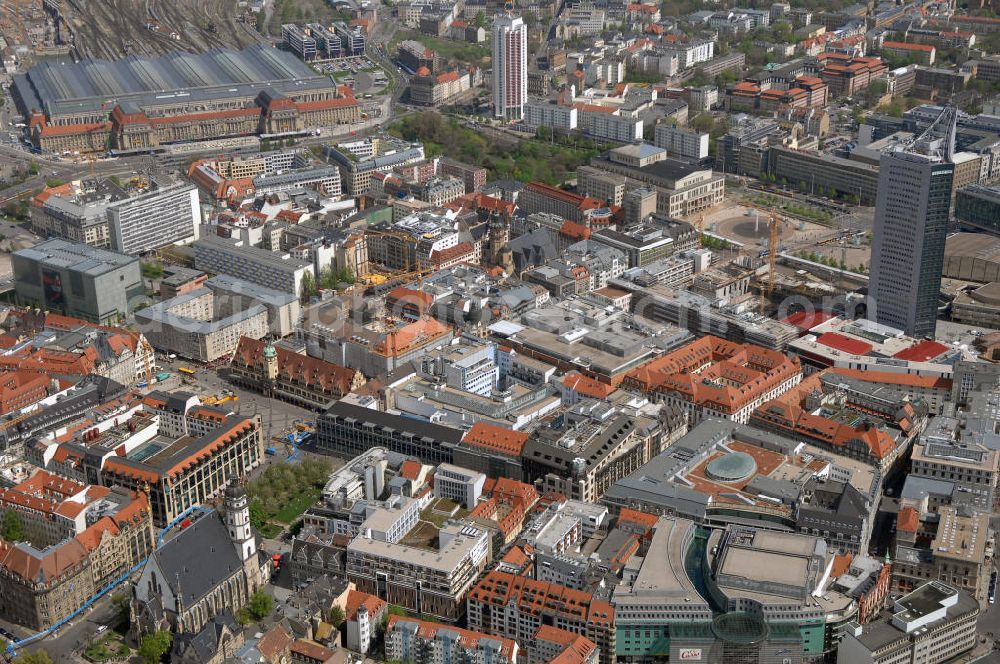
{"x":496,"y":438}
{"x":906,"y":46}
{"x":908,"y":520}
{"x":586,"y":386}
{"x":274,"y":643}
{"x":309,"y":371}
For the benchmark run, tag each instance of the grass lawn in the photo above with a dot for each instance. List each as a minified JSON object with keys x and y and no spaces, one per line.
{"x":270,"y":530}
{"x":297,"y":505}
{"x":108,"y":647}
{"x":446,"y":48}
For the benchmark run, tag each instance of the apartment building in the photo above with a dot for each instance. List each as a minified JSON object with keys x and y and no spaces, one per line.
{"x":604,"y":124}
{"x":236,"y":258}
{"x":681,"y":142}
{"x":424,"y":642}
{"x":474,"y":177}
{"x":555,"y":116}
{"x":429,"y":581}
{"x":41,"y":586}
{"x":515,"y":607}
{"x":165,"y":214}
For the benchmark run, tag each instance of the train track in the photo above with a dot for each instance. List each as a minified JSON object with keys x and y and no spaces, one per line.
{"x":112,"y":28}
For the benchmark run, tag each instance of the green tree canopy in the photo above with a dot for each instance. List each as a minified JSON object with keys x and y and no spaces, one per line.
{"x":260,"y":605}
{"x":155,"y":646}
{"x":337,"y":616}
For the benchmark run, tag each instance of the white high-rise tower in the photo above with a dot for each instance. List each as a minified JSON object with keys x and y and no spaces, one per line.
{"x":510,"y":66}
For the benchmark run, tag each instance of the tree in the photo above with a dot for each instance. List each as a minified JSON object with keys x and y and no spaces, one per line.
{"x":345,"y":275}
{"x":327,"y":279}
{"x":258,"y":518}
{"x":391,"y":610}
{"x":480,"y":20}
{"x":260,"y":605}
{"x":308,"y":285}
{"x":337,"y":617}
{"x":12,"y":529}
{"x":37,"y":657}
{"x":154,"y":646}
{"x":703,"y":122}
{"x":243,"y":617}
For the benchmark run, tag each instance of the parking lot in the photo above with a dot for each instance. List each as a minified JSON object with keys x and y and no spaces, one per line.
{"x":359,"y":72}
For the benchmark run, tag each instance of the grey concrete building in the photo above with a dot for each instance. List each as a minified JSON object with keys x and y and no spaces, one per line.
{"x":78,"y":280}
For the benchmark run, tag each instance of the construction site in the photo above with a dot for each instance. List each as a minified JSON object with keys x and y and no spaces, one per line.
{"x":117,"y":28}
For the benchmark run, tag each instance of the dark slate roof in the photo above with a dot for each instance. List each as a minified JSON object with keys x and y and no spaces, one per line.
{"x":532,"y":249}
{"x":199,"y":558}
{"x":203,"y":646}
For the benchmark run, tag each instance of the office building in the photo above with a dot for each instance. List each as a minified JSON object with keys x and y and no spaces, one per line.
{"x":681,"y":188}
{"x":700,"y":379}
{"x":510,"y":67}
{"x":360,"y":160}
{"x":350,"y":430}
{"x":460,"y":485}
{"x":604,"y":186}
{"x":978,"y":206}
{"x":200,"y":326}
{"x":176,"y":473}
{"x":639,"y":203}
{"x":78,"y":280}
{"x":299,"y":40}
{"x":932,"y":624}
{"x":911,"y":222}
{"x":231,"y":256}
{"x":134,"y":217}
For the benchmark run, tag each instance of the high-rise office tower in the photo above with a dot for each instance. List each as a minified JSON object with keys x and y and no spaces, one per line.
{"x":510,"y":66}
{"x":911,"y":223}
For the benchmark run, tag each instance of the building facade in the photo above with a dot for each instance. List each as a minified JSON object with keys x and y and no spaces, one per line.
{"x":510,"y":67}
{"x":911,"y":223}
